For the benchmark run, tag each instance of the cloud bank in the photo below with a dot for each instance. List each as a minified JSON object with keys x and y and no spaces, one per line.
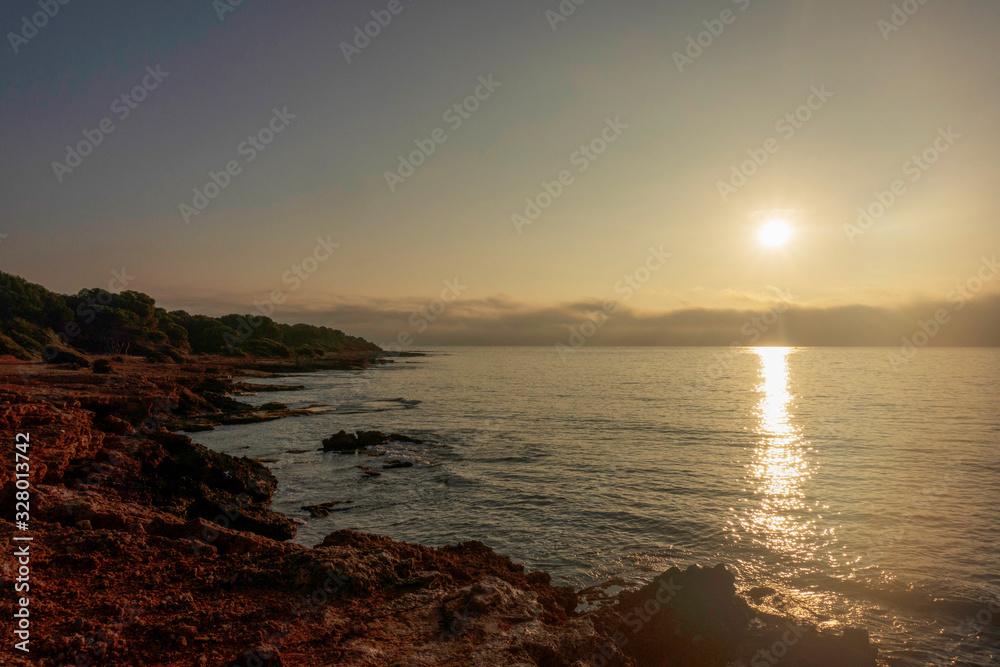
{"x":959,"y":320}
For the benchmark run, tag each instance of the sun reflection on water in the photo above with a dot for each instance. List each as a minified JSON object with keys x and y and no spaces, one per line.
{"x":779,"y":466}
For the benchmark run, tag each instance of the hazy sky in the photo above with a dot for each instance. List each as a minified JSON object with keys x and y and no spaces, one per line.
{"x":674,"y":128}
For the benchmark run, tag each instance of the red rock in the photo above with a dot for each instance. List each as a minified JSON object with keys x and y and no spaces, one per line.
{"x":143,"y":535}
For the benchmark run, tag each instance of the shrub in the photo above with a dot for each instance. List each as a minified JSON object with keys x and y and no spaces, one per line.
{"x":63,"y":355}
{"x":9,"y":347}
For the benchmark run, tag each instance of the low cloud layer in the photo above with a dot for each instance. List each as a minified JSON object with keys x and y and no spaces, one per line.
{"x":410,"y":324}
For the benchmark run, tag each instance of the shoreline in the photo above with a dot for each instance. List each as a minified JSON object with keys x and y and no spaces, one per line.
{"x":151,"y":549}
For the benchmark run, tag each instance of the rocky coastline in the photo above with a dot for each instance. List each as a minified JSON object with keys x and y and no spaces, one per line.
{"x":149,"y":549}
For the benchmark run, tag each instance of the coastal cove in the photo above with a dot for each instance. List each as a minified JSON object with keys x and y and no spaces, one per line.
{"x":755,"y":459}
{"x":520,"y":334}
{"x":151,"y":548}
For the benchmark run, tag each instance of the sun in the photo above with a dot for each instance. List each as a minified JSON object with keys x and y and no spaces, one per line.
{"x":775,"y":234}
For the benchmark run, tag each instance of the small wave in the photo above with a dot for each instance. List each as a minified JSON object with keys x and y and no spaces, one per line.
{"x":898,"y":595}
{"x":404,"y":401}
{"x":378,"y":405}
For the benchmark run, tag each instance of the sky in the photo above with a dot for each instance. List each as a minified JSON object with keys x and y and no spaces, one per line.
{"x":627,"y":152}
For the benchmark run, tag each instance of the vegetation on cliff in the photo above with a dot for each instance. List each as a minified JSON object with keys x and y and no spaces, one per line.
{"x":63,"y":328}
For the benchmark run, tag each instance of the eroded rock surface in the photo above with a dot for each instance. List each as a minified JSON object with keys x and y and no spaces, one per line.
{"x":152,"y":550}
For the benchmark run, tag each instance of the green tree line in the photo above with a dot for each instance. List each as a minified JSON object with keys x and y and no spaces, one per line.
{"x":35,"y":322}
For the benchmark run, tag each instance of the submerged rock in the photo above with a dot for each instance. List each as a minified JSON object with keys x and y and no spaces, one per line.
{"x":399,"y":437}
{"x":760,"y":593}
{"x":324,"y":509}
{"x":352,"y":442}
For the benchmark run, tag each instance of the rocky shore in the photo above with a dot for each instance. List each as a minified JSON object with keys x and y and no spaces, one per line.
{"x":149,"y":549}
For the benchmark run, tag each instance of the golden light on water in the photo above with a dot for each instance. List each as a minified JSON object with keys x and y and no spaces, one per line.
{"x":779,"y":465}
{"x":774,"y":421}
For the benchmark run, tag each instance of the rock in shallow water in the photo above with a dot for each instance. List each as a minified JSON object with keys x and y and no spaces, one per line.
{"x":695,"y":618}
{"x":351,"y":442}
{"x":324,"y":509}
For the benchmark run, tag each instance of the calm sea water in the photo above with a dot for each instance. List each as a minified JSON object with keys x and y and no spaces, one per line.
{"x":863,"y":494}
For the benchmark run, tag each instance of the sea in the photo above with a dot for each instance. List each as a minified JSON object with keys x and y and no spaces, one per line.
{"x":862,"y":488}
